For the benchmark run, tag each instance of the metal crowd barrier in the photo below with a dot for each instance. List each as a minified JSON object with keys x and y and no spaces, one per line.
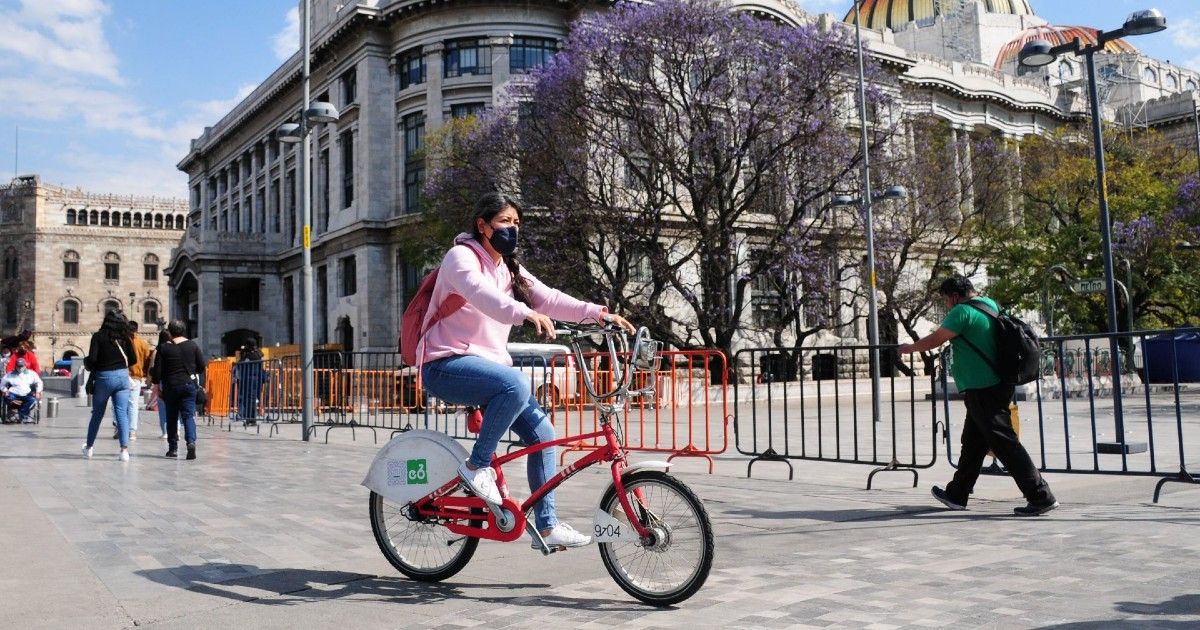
{"x":688,"y":417}
{"x":815,"y":404}
{"x":1084,"y":425}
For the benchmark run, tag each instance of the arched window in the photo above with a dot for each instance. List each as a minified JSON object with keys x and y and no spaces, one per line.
{"x":1149,"y":75}
{"x":11,"y":264}
{"x":158,"y":221}
{"x":111,"y":305}
{"x":179,"y":221}
{"x":1190,"y":84}
{"x":126,"y":219}
{"x":95,"y":218}
{"x":1065,"y":70}
{"x":71,"y":264}
{"x":71,"y":216}
{"x":150,"y":267}
{"x":104,"y":218}
{"x":1172,"y":82}
{"x":70,"y":310}
{"x":149,"y":312}
{"x":112,"y":266}
{"x":137,"y":219}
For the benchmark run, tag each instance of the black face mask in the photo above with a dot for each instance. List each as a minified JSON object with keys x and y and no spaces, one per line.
{"x":504,"y":240}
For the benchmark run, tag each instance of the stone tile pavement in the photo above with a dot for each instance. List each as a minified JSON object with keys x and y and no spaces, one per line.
{"x":273,"y":533}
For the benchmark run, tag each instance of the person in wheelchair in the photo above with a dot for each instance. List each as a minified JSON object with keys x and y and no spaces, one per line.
{"x":21,"y":387}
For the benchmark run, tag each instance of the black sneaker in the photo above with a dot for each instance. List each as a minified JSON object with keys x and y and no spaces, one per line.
{"x":191,"y":451}
{"x":172,"y":452}
{"x":945,"y":499}
{"x":1035,"y":509}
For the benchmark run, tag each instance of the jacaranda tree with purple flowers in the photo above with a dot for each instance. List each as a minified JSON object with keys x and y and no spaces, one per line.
{"x":1155,"y":204}
{"x":674,"y":155}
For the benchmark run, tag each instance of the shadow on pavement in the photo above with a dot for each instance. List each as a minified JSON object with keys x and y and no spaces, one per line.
{"x":285,"y":587}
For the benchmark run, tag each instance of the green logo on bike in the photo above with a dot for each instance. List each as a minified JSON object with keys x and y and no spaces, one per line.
{"x":418,"y":472}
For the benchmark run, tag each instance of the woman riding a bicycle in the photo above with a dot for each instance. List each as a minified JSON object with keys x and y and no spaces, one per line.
{"x":464,"y":361}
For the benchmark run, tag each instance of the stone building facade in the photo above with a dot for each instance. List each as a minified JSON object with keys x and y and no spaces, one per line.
{"x":397,"y":69}
{"x":71,"y":255}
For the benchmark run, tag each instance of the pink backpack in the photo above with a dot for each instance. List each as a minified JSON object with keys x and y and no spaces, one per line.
{"x":411,"y":331}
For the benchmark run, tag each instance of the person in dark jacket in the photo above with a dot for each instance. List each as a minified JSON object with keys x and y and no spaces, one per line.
{"x":108,"y":359}
{"x":248,"y":379}
{"x":178,"y":370}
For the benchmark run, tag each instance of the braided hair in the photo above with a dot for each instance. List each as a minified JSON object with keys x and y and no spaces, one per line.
{"x":486,"y":208}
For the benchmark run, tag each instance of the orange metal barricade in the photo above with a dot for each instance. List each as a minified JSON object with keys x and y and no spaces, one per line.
{"x":687,"y":417}
{"x":218,"y":384}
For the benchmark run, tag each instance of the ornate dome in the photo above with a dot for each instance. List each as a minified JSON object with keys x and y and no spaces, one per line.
{"x":1057,"y":35}
{"x":878,"y":14}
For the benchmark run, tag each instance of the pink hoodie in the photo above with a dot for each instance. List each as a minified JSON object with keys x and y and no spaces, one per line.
{"x":481,"y":327}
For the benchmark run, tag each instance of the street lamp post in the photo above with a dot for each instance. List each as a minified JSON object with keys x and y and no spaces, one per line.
{"x":318,"y":112}
{"x":868,"y":218}
{"x":892,"y":192}
{"x":1039,"y":53}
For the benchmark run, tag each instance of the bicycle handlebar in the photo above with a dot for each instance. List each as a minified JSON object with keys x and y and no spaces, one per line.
{"x":643,"y":356}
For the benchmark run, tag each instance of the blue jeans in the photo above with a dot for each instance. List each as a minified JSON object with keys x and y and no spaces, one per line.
{"x":181,"y":405}
{"x":27,"y":402}
{"x":504,"y":394}
{"x":162,"y":415}
{"x":112,"y":384}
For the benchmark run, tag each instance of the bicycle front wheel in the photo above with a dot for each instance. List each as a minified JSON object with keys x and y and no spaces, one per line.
{"x":673,"y":564}
{"x":424,"y":551}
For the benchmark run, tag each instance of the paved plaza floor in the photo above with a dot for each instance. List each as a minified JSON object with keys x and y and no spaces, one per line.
{"x":273,"y":533}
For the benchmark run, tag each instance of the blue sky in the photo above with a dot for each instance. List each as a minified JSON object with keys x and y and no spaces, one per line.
{"x":107,"y":93}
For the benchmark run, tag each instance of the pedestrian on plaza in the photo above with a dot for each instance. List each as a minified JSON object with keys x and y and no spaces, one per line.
{"x":109,"y":357}
{"x":23,"y":350}
{"x":179,"y":370}
{"x":155,"y":392}
{"x":23,"y":385}
{"x":137,"y":378}
{"x":248,"y":378}
{"x":988,"y":425}
{"x":463,"y":358}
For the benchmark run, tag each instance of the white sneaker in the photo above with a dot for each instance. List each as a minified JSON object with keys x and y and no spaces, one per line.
{"x":124,"y":456}
{"x":133,"y":435}
{"x":481,"y":481}
{"x":87,"y":451}
{"x":163,"y":436}
{"x":563,"y":535}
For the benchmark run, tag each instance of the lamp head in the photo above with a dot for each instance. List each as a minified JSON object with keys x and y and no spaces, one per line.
{"x":321,"y":112}
{"x":1035,"y":54}
{"x":844,"y":200}
{"x":289,"y":132}
{"x":895,"y":192}
{"x":1144,"y":22}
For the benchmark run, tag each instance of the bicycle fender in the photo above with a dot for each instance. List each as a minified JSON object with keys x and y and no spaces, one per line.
{"x":413,"y":464}
{"x":648,"y":465}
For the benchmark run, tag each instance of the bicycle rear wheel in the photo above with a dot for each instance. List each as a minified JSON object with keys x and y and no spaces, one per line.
{"x":674,"y":564}
{"x":424,"y":551}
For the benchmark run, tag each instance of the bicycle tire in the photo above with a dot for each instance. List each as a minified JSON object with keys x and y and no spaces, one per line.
{"x":665,"y":494}
{"x":425,"y":540}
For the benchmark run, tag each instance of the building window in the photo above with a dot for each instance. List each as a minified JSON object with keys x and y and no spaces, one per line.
{"x":348,"y":274}
{"x":410,"y":65}
{"x":347,"y":169}
{"x":104,"y":218}
{"x":70,"y":312}
{"x":1150,"y":75}
{"x":322,"y":221}
{"x":349,"y":86}
{"x":322,"y":307}
{"x":71,"y":269}
{"x":149,"y":312}
{"x":239,"y":294}
{"x":151,"y":272}
{"x":71,"y":217}
{"x":11,"y":265}
{"x":528,"y":53}
{"x":276,"y":210}
{"x":414,"y":160}
{"x":10,"y":312}
{"x":289,"y":308}
{"x":112,"y":267}
{"x":466,"y":110}
{"x":137,"y":220}
{"x":260,"y":204}
{"x":466,"y":56}
{"x":1172,"y":82}
{"x":111,"y":305}
{"x":1190,"y":84}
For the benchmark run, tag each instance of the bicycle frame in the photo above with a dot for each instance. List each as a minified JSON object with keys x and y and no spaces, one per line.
{"x":459,"y":511}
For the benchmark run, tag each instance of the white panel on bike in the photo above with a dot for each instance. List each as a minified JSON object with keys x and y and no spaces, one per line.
{"x":606,"y":528}
{"x":414,"y":464}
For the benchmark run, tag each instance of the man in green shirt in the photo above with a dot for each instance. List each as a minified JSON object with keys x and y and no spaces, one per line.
{"x":988,"y":425}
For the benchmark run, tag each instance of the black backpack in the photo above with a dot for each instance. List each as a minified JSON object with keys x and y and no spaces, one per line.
{"x":1018,"y":352}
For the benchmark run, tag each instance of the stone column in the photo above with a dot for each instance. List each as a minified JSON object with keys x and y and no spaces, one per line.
{"x":500,"y":61}
{"x":433,"y":87}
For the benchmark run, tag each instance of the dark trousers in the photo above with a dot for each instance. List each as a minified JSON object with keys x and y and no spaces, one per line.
{"x":180,"y":401}
{"x":989,"y":427}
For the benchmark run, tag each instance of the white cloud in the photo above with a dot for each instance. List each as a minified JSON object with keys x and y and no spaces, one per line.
{"x":1192,"y":64}
{"x":837,"y":7}
{"x":152,"y":173}
{"x":66,"y":35}
{"x":1186,"y":33}
{"x":286,"y":42}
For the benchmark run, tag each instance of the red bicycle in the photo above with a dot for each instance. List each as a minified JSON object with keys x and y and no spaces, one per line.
{"x":653,"y":532}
